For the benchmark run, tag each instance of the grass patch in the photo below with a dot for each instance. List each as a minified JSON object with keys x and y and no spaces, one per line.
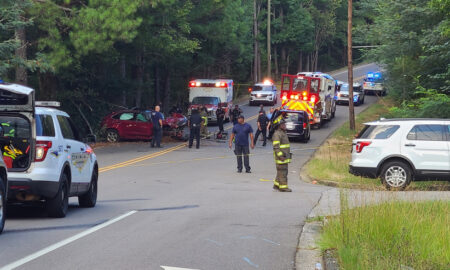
{"x":329,"y":164}
{"x":393,"y":235}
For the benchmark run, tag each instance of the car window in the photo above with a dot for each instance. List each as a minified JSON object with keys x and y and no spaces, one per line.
{"x":205,"y":100}
{"x":286,"y":83}
{"x":426,"y":133}
{"x":66,"y":129}
{"x":315,"y":86}
{"x":300,"y":84}
{"x":45,"y":126}
{"x":261,"y":88}
{"x":141,"y":118}
{"x":448,"y":132}
{"x":15,"y":127}
{"x":379,"y":132}
{"x":126,"y":116}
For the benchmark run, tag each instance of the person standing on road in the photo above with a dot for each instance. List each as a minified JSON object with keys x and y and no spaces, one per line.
{"x":235,"y":114}
{"x":220,"y":114}
{"x":157,"y":118}
{"x":204,"y":127}
{"x":281,"y":152}
{"x":195,"y":121}
{"x":241,"y":132}
{"x":262,"y":127}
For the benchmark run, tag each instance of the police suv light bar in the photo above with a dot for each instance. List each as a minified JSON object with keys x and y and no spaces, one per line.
{"x":48,"y":104}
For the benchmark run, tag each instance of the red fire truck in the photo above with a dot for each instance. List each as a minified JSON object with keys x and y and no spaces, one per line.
{"x":312,"y":92}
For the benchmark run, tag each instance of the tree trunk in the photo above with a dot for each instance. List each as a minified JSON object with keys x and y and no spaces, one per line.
{"x":157,"y":85}
{"x":166,"y":92}
{"x":257,"y":33}
{"x":316,"y":59}
{"x":275,"y":59}
{"x":283,"y":58}
{"x":287,"y":63}
{"x":139,"y":77}
{"x":308,"y":62}
{"x":300,"y":62}
{"x":21,"y":53}
{"x":255,"y":43}
{"x":123,"y":74}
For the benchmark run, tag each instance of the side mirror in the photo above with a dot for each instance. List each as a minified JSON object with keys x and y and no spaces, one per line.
{"x":2,"y":132}
{"x":90,"y":138}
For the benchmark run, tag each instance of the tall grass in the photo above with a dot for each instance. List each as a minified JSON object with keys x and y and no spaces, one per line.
{"x":394,"y":235}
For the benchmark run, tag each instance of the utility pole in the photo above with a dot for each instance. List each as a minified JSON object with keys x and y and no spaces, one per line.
{"x":255,"y":43}
{"x":350,"y":67}
{"x":269,"y":68}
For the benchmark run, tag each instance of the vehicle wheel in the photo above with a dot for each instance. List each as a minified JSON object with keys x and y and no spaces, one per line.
{"x":396,"y":175}
{"x":250,"y":103}
{"x":89,"y":199}
{"x":306,"y":138}
{"x":112,"y":136}
{"x":362,"y":101}
{"x":57,"y":206}
{"x":383,"y":93}
{"x":333,"y":111}
{"x":2,"y":205}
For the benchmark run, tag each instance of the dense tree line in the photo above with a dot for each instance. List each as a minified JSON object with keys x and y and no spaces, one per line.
{"x":100,"y":55}
{"x":414,"y":47}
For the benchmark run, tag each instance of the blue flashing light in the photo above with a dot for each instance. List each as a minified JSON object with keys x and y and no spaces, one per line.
{"x":370,"y":75}
{"x":355,"y":98}
{"x":1,"y":81}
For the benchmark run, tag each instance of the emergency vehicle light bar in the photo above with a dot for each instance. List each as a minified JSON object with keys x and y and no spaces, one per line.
{"x":48,"y":104}
{"x":217,"y":84}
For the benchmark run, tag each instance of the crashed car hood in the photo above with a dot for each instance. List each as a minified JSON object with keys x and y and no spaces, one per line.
{"x":16,"y":98}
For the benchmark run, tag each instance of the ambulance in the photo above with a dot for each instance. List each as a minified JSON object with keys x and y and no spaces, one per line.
{"x":211,"y":94}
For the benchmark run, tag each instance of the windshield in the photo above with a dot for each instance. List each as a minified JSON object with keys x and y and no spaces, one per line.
{"x":262,"y":88}
{"x":293,"y":117}
{"x":300,"y":84}
{"x":356,"y":88}
{"x":205,"y":100}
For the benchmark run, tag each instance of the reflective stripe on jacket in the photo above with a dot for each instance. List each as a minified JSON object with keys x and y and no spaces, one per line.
{"x":281,"y":147}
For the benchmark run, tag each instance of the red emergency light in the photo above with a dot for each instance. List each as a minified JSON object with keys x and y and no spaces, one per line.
{"x":221,"y":84}
{"x":194,"y":84}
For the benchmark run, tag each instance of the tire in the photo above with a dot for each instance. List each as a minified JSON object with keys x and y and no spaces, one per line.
{"x":89,"y":199}
{"x":57,"y":206}
{"x":251,"y":103}
{"x":362,"y":101}
{"x":305,"y":139}
{"x":396,"y":175}
{"x":2,"y":204}
{"x":333,"y":111}
{"x":112,"y":135}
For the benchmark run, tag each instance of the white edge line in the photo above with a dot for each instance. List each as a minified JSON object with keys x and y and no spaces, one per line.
{"x":64,"y":242}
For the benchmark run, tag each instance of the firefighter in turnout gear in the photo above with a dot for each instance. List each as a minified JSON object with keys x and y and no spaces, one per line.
{"x":281,"y":152}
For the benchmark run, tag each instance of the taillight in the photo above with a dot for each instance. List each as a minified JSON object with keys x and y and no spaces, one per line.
{"x":305,"y":125}
{"x":42,"y":149}
{"x":360,"y":146}
{"x":221,"y":84}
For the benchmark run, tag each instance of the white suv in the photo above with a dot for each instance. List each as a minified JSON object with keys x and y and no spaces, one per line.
{"x":43,"y":151}
{"x":403,"y":150}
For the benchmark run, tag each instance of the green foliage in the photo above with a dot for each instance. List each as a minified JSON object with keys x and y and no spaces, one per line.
{"x":414,"y":47}
{"x":393,"y":235}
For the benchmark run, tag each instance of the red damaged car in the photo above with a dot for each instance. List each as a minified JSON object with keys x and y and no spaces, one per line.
{"x":136,"y":125}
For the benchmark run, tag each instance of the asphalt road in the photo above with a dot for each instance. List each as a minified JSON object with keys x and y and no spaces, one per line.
{"x":180,"y":207}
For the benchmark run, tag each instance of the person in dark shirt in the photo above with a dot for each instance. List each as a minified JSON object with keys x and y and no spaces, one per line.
{"x":241,"y":132}
{"x":220,"y":113}
{"x":262,"y":127}
{"x":157,"y":118}
{"x":235,"y":114}
{"x":195,"y":122}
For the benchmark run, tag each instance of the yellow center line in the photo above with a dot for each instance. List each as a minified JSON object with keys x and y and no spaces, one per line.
{"x":153,"y":155}
{"x":136,"y":160}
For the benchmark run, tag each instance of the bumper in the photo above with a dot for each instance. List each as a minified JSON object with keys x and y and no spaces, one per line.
{"x":261,"y":99}
{"x":47,"y":189}
{"x":295,"y":134}
{"x":363,"y":171}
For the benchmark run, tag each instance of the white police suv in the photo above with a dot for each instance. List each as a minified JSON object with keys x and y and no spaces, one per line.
{"x":403,"y":150}
{"x":46,"y":158}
